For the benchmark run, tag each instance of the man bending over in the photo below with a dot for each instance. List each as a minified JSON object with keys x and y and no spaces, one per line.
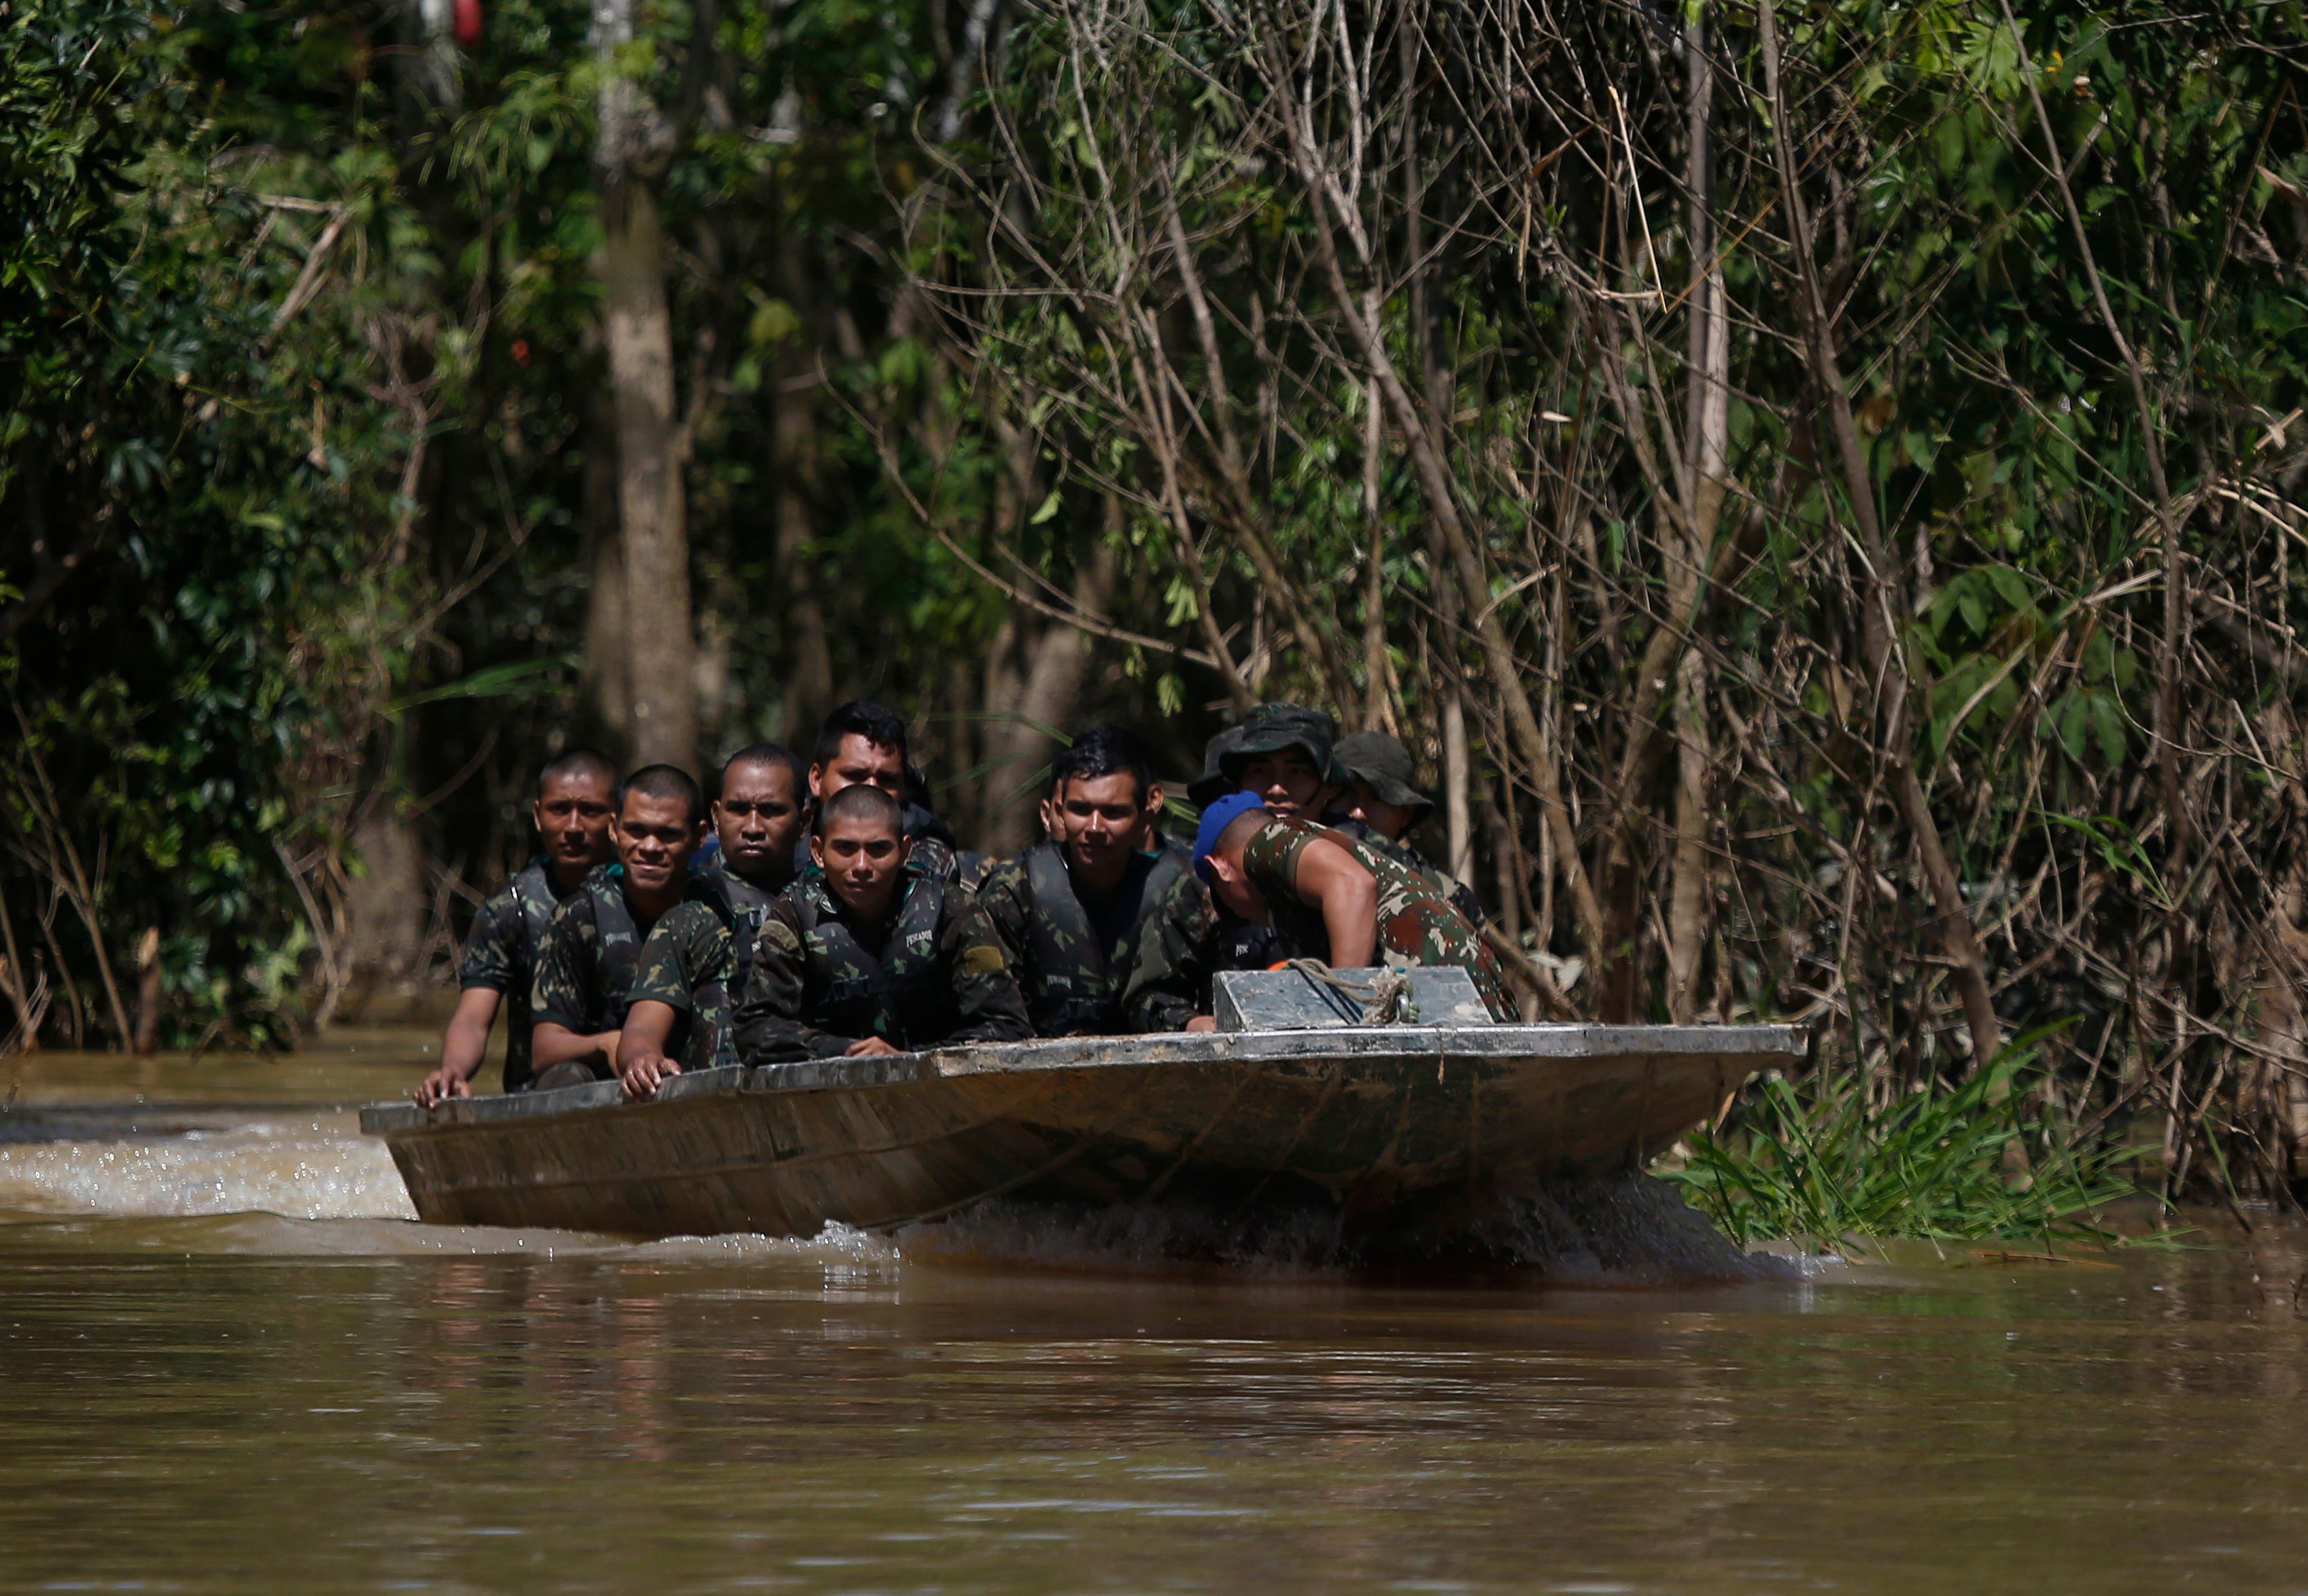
{"x":1071,"y":909}
{"x":576,"y":795}
{"x":695,"y":961}
{"x":584,"y":980}
{"x":865,"y":955}
{"x":1332,"y":896}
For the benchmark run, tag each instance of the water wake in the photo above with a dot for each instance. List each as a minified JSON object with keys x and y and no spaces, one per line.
{"x":259,"y":1186}
{"x":315,"y":1168}
{"x":1627,"y":1229}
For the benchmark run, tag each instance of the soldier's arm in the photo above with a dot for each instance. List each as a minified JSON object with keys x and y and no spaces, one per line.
{"x":485,"y":976}
{"x":992,"y":1008}
{"x":664,"y":979}
{"x":1169,"y":986}
{"x":642,"y":1062}
{"x":770,"y":1025}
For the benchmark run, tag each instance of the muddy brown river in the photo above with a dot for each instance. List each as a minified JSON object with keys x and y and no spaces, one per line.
{"x":231,"y":1363}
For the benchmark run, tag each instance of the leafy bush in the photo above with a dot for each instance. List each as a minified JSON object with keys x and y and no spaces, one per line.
{"x":1824,"y":1161}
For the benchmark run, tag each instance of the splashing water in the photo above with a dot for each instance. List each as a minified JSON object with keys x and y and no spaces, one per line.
{"x":319,"y":1168}
{"x":311,"y":1185}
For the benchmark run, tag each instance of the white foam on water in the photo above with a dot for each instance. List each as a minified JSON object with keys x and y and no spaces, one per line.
{"x":315,"y":1168}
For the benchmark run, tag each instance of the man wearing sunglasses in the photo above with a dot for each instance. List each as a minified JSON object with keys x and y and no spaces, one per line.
{"x":697,"y":956}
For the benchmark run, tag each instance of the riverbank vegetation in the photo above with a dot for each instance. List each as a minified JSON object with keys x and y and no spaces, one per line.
{"x":1816,"y":485}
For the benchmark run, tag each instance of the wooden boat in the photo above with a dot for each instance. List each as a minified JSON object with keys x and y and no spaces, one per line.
{"x":1373,"y":1121}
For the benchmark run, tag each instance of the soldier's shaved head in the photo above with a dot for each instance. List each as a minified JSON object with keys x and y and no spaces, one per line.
{"x":770,"y":756}
{"x":587,"y":763}
{"x":664,"y":782}
{"x":863,"y":802}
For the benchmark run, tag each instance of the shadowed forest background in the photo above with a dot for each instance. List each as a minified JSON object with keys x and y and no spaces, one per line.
{"x":1815,"y":485}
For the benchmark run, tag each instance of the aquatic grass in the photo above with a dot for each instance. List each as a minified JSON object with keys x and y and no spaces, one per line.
{"x":1821,"y":1163}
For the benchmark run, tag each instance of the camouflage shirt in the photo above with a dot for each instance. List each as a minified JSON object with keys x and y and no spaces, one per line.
{"x":501,"y":955}
{"x":689,"y":963}
{"x":1417,"y":925}
{"x":1074,"y":955}
{"x":934,"y":975}
{"x":1461,"y":895}
{"x":585,"y":976}
{"x":1184,"y":937}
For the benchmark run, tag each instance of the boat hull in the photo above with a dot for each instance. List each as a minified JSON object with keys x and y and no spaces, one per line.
{"x":1366,"y":1120}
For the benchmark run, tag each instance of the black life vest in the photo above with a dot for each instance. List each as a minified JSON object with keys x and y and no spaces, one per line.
{"x":899,"y":995}
{"x":1077,"y":985}
{"x":532,"y":893}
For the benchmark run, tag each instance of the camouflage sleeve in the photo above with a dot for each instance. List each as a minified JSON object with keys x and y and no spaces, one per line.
{"x":685,"y":949}
{"x":1170,"y":983}
{"x":1003,"y":897}
{"x":565,"y":993}
{"x":984,"y":990}
{"x":771,"y":1028}
{"x":492,"y":960}
{"x":1270,"y":860}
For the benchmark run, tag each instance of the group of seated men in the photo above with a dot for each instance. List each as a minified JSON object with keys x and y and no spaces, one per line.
{"x":818,"y":911}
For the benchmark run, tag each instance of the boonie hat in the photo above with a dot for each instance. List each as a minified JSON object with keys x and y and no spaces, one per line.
{"x":1384,"y":764}
{"x":1265,"y":729}
{"x":1216,"y":818}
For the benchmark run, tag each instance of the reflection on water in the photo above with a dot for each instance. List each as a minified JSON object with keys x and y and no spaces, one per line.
{"x":323,"y":1396}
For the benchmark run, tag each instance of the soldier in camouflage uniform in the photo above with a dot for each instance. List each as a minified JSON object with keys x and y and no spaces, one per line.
{"x":862,"y":742}
{"x":1328,"y":896}
{"x":584,"y":979}
{"x":575,"y":795}
{"x":1072,"y":910}
{"x":1281,"y":753}
{"x":683,"y":994}
{"x":866,"y":956}
{"x":1380,"y":807}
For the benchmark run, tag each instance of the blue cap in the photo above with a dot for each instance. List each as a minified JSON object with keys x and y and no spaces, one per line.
{"x":1216,"y":818}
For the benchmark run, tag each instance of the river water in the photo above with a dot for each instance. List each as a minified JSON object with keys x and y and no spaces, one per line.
{"x":231,"y":1363}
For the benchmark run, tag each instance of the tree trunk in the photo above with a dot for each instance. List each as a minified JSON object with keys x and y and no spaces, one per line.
{"x":1706,"y":467}
{"x":1457,"y":777}
{"x":607,"y":683}
{"x":1057,"y":663}
{"x":809,"y":691}
{"x":658,"y":640}
{"x":385,"y":906}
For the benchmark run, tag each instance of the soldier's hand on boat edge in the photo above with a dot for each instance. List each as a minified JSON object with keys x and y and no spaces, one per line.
{"x":441,"y":1085}
{"x":872,"y":1047}
{"x":641,"y":1071}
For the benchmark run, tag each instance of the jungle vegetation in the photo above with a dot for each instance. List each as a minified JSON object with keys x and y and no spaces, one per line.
{"x":1814,"y":481}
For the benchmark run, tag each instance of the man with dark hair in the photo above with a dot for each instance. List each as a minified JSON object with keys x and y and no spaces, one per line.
{"x":693,"y":964}
{"x":1335,"y":897}
{"x":1380,"y":806}
{"x":865,"y":743}
{"x":576,"y":795}
{"x":867,"y":955}
{"x":584,"y":979}
{"x":1071,"y":911}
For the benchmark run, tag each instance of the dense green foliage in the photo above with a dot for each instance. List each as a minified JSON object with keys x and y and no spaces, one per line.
{"x":1830,"y":1164}
{"x":1819,"y":484}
